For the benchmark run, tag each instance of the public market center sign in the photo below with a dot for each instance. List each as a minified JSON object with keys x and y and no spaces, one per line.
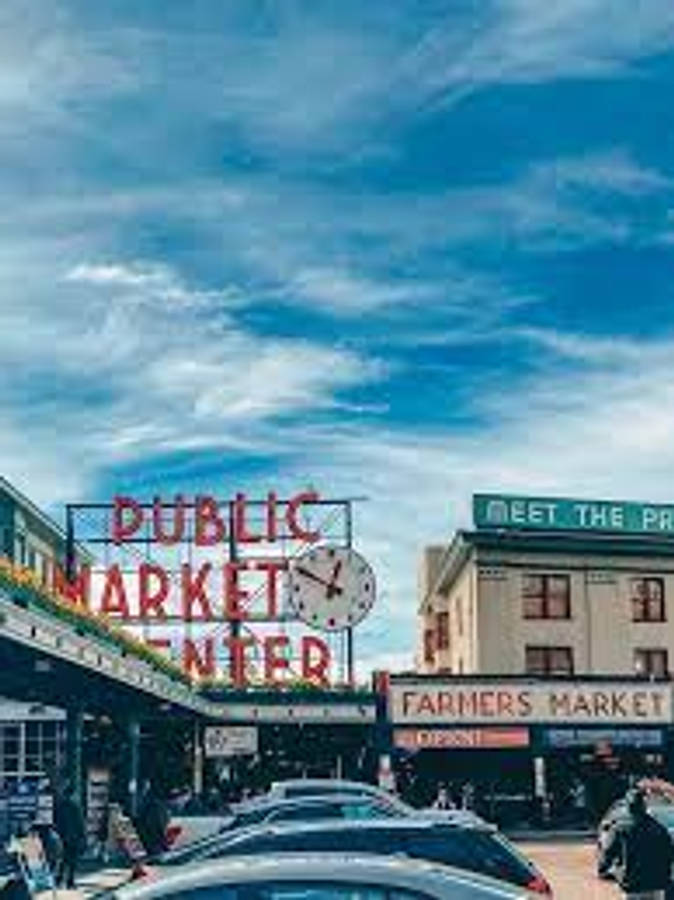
{"x":520,"y":702}
{"x":565,"y":514}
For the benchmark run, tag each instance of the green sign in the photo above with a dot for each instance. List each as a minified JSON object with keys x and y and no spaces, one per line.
{"x":564,"y":514}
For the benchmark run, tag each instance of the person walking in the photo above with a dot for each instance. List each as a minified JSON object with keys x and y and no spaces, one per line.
{"x":640,"y":852}
{"x":443,"y":800}
{"x":152,"y":821}
{"x":69,"y":824}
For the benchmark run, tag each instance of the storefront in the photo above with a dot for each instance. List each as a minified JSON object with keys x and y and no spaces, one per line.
{"x":524,"y":751}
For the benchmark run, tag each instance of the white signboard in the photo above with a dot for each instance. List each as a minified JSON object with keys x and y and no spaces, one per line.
{"x":591,"y":703}
{"x":230,"y":740}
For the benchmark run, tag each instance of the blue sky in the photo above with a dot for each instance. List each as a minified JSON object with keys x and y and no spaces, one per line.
{"x":405,"y":250}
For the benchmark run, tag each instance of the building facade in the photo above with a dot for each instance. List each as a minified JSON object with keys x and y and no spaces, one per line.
{"x":516,"y":601}
{"x":28,"y":537}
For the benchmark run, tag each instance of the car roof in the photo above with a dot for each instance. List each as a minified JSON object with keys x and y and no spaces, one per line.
{"x":331,"y":784}
{"x":276,"y":801}
{"x":403,"y":824}
{"x":410,"y":874}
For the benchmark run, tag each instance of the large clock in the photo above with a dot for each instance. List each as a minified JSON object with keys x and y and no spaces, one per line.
{"x":331,"y":588}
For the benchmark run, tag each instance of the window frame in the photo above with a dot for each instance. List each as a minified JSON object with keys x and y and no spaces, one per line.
{"x":442,"y":630}
{"x":429,"y":645}
{"x":546,"y":597}
{"x":642,"y":606}
{"x":648,"y":654}
{"x":548,"y":670}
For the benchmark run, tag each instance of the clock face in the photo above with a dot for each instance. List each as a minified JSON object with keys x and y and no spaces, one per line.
{"x":331,"y":588}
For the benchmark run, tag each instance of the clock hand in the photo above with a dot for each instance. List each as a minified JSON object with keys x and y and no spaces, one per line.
{"x":333,"y":587}
{"x":309,"y":574}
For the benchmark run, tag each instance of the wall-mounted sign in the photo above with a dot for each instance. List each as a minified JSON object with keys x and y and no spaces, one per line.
{"x":230,"y":740}
{"x":460,"y":738}
{"x":565,"y":514}
{"x":598,"y":737}
{"x":591,"y":703}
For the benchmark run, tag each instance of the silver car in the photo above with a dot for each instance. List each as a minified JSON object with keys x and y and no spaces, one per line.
{"x":321,"y":877}
{"x":312,"y":787}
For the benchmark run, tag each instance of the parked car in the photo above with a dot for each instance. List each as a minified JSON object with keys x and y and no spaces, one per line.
{"x":322,"y":877}
{"x":473,"y":846}
{"x":311,"y":787}
{"x":184,"y":831}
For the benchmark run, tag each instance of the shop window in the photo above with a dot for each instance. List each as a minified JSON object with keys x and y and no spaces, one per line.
{"x":442,"y":630}
{"x":651,"y":662}
{"x":546,"y":597}
{"x":429,"y":645}
{"x":648,"y":600}
{"x":549,"y":661}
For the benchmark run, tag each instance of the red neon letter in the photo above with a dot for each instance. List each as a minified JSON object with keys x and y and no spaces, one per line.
{"x":241,"y":533}
{"x":209,"y":529}
{"x":178,"y":521}
{"x":114,"y":594}
{"x":296,"y":530}
{"x":272,"y":567}
{"x":192,"y":659}
{"x":234,"y":595}
{"x":121,"y":529}
{"x":161,"y":644}
{"x":315,"y":670}
{"x":271,"y":517}
{"x":274,"y":660}
{"x":77,"y":593}
{"x":152,"y":601}
{"x":237,"y":660}
{"x":193,"y":590}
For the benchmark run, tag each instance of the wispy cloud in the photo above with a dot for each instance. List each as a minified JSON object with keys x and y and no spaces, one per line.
{"x":527,"y":42}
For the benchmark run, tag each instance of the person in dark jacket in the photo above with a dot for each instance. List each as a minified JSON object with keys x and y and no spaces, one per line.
{"x":152,"y":821}
{"x":69,"y":824}
{"x":640,"y":852}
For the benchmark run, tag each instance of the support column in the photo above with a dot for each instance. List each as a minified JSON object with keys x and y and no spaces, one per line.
{"x":74,"y":738}
{"x":134,"y":766}
{"x":198,"y":762}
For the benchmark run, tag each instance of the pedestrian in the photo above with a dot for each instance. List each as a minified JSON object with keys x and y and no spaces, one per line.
{"x":639,"y":851}
{"x":152,"y":821}
{"x":69,"y":824}
{"x":443,"y":800}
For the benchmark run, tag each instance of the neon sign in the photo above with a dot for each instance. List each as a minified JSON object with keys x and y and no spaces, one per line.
{"x":213,"y":588}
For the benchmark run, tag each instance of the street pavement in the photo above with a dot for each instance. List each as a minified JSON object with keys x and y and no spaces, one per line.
{"x":570,"y":868}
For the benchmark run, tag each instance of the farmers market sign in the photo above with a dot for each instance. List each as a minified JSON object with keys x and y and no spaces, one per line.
{"x":502,"y":703}
{"x":566,"y":514}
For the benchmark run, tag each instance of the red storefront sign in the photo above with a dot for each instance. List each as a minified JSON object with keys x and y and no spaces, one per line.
{"x":460,"y":738}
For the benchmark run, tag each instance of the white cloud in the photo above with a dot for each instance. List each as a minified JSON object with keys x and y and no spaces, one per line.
{"x":525,"y":41}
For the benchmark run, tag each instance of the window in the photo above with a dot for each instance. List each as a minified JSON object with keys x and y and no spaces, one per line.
{"x":429,"y":645}
{"x":20,"y":550}
{"x":476,"y":851}
{"x":307,"y":813}
{"x":547,"y":597}
{"x":330,"y":891}
{"x":648,"y":600}
{"x":651,"y":662}
{"x":32,"y":559}
{"x":549,"y":661}
{"x":442,"y":630}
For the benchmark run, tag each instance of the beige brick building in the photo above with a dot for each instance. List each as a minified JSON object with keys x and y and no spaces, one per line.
{"x":509,"y":602}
